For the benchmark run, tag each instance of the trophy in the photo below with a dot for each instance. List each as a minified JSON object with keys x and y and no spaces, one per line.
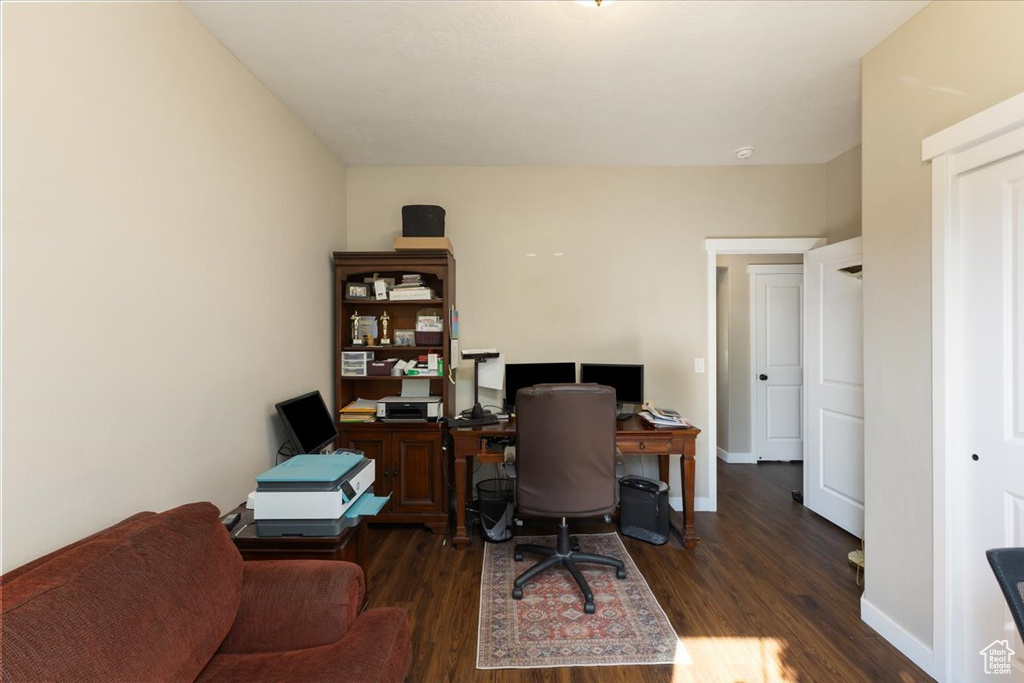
{"x":356,"y":341}
{"x":384,"y":340}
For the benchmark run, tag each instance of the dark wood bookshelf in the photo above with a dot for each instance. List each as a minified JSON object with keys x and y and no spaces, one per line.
{"x":408,"y":457}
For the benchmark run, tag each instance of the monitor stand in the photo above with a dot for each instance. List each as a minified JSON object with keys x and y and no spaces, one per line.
{"x":621,"y":414}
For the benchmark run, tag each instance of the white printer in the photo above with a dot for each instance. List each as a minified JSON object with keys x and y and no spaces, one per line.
{"x":314,"y":495}
{"x":409,"y":408}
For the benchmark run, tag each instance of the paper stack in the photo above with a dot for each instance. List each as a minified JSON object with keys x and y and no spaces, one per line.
{"x":664,"y":418}
{"x":359,"y":410}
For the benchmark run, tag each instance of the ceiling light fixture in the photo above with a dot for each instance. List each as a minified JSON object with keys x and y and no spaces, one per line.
{"x":744,"y":152}
{"x":593,"y":3}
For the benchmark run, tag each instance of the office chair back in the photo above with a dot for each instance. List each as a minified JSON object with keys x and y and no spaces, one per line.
{"x":1008,"y":566}
{"x":565,"y":450}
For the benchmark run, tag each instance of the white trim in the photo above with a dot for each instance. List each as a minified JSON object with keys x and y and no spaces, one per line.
{"x":779,"y":269}
{"x":743,"y":245}
{"x":985,"y":137}
{"x":703,"y":504}
{"x":903,"y":640}
{"x":737,"y":458}
{"x":676,"y":503}
{"x":984,"y":125}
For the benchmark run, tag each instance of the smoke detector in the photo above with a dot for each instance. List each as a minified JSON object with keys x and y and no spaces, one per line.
{"x":744,"y":152}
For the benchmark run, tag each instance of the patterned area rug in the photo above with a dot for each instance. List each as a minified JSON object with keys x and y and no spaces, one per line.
{"x":548,"y":628}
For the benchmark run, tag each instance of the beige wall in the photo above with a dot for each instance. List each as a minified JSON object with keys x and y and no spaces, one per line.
{"x":631,"y":285}
{"x":735,"y":381}
{"x":843,"y":196}
{"x":167,"y":225}
{"x":948,"y":62}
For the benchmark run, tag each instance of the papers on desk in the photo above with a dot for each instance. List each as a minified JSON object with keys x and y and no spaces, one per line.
{"x":661,"y":420}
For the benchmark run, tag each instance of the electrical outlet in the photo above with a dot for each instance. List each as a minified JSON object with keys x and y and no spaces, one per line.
{"x":698,"y":365}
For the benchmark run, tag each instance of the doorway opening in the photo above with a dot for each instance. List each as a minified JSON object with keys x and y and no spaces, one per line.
{"x":754,"y":249}
{"x":759,"y":360}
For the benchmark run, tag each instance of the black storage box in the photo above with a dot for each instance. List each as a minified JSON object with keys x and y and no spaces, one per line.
{"x":420,"y":220}
{"x":643,"y":509}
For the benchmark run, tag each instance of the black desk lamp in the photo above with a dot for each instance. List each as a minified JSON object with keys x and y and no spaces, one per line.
{"x":477,"y":415}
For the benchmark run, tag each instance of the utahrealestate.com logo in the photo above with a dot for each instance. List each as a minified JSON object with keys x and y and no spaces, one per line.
{"x":997,"y":657}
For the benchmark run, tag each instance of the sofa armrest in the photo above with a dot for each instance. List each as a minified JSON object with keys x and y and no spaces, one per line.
{"x":293,"y":604}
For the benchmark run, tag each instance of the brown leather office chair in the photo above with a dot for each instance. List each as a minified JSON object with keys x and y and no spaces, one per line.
{"x":565,"y":467}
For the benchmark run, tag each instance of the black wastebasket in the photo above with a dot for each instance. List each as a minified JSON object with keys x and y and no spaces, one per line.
{"x":495,"y":499}
{"x":643,"y":509}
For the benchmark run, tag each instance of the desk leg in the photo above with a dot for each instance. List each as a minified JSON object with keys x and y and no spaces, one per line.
{"x":689,"y":471}
{"x":682,"y":524}
{"x":461,"y":533}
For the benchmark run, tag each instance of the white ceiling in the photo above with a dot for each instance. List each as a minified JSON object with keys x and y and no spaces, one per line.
{"x":558,"y":82}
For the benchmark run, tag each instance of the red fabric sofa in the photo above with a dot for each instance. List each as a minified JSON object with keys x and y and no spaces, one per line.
{"x":167,"y":597}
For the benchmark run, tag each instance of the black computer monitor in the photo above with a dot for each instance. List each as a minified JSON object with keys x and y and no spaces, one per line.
{"x":627,"y":380}
{"x":521,"y":375}
{"x":308,"y":423}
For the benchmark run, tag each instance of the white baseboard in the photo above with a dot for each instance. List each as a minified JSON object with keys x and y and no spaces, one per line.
{"x":736,"y":458}
{"x":676,"y":503}
{"x":900,"y":638}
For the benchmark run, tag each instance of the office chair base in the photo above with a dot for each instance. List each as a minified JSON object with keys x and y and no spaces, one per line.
{"x":566,"y":554}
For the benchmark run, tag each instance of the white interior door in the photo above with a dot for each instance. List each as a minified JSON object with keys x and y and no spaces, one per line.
{"x":991,"y":261}
{"x":777,"y":318}
{"x":834,"y":347}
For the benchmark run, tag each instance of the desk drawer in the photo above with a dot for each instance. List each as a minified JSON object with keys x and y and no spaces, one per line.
{"x":644,"y":444}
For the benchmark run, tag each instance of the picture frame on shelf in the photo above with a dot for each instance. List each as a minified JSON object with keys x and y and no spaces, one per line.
{"x":366,"y":329}
{"x":405,"y":337}
{"x":357,"y":291}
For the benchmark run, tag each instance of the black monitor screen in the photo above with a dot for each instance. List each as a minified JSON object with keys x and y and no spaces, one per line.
{"x":521,"y":375}
{"x":627,"y":380}
{"x":308,"y":422}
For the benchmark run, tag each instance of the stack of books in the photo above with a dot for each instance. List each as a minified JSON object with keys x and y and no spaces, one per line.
{"x":664,"y":418}
{"x":412,"y":288}
{"x":359,"y":410}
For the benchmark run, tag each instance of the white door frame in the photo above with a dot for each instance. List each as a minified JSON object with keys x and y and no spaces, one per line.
{"x":752,"y":270}
{"x":714,"y":247}
{"x":983,"y":138}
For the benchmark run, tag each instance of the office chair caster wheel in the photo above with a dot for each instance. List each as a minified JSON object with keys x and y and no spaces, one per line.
{"x":517,"y":593}
{"x":589,"y":608}
{"x":621,"y":573}
{"x":518,"y":556}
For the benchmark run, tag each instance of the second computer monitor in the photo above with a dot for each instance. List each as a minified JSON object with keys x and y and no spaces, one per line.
{"x":521,"y":375}
{"x":627,"y":380}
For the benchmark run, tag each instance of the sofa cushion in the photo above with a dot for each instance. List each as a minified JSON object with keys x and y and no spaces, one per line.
{"x":377,"y":649}
{"x":151,"y":600}
{"x":290,"y":605}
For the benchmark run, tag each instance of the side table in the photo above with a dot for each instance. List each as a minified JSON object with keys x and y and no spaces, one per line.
{"x":350,"y":545}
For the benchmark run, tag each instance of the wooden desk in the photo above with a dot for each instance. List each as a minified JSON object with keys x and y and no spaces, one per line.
{"x":632,"y":438}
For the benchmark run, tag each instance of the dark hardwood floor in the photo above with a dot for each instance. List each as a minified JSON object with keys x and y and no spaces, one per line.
{"x":768,"y":595}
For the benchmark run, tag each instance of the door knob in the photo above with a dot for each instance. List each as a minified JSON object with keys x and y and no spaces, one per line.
{"x":762,"y":377}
